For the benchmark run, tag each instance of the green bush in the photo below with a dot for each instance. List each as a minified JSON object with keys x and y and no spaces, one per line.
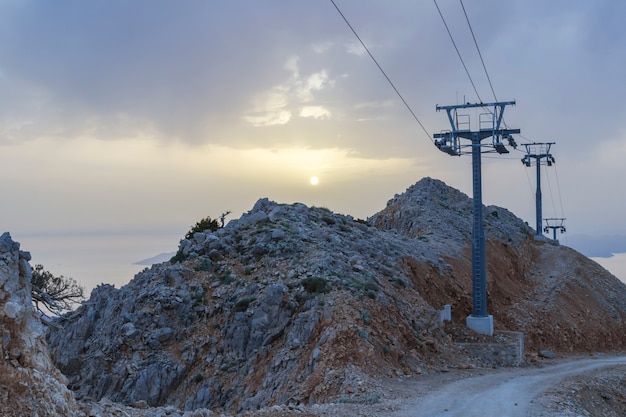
{"x":205,"y":224}
{"x":315,"y":285}
{"x":328,"y":220}
{"x":203,"y":265}
{"x":371,"y":294}
{"x":242,"y":304}
{"x":179,"y":257}
{"x":365,"y":316}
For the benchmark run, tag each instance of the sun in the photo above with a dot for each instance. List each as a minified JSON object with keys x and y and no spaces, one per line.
{"x":314,"y":180}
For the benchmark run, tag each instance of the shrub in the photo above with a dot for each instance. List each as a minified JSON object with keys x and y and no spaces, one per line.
{"x":371,"y":294}
{"x":203,"y":265}
{"x":242,"y":304}
{"x":315,"y":285}
{"x":205,"y":224}
{"x":399,"y":282}
{"x":365,"y":316}
{"x":179,"y":257}
{"x":329,"y":220}
{"x":370,"y":286}
{"x":344,"y":228}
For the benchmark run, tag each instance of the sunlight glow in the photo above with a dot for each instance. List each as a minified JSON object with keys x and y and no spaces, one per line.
{"x":125,"y":179}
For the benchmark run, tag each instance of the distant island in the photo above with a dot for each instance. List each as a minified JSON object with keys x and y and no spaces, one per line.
{"x":157,"y":259}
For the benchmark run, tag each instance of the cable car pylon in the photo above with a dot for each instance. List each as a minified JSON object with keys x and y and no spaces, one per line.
{"x":538,"y":151}
{"x":554,"y":224}
{"x":450,"y":142}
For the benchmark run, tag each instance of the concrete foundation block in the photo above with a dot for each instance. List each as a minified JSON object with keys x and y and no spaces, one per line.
{"x":482,"y":325}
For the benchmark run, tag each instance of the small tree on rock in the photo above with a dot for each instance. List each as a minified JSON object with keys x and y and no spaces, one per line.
{"x":205,"y":224}
{"x":56,"y":294}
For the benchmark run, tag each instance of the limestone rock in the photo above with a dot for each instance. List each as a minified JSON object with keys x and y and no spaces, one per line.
{"x":30,"y":384}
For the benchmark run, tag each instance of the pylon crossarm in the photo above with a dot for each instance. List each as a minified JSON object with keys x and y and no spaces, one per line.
{"x":471,"y":105}
{"x":449,"y":141}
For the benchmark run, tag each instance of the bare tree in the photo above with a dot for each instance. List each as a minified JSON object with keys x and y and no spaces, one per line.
{"x":56,"y":294}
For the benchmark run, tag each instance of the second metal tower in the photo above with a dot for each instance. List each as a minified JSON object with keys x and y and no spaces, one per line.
{"x":538,"y":151}
{"x":554,"y":224}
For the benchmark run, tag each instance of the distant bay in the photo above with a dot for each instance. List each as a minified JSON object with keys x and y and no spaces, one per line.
{"x":94,"y":259}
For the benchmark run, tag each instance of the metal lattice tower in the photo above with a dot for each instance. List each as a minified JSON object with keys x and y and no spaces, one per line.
{"x":538,"y":151}
{"x":554,"y":224}
{"x":450,"y":142}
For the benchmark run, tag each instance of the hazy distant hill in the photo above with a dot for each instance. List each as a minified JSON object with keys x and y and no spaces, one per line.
{"x":161,"y":257}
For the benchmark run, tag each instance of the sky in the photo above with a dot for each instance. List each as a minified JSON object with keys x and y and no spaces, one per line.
{"x":122,"y":123}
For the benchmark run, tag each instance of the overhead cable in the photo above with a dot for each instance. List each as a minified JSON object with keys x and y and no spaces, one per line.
{"x":382,"y":71}
{"x":478,"y":49}
{"x":457,"y":51}
{"x":559,"y":190}
{"x":551,"y":192}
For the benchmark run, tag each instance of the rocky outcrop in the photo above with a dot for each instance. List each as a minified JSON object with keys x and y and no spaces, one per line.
{"x":293,"y":304}
{"x":555,"y":295}
{"x":431,"y":211}
{"x":268,"y":310}
{"x":30,"y":384}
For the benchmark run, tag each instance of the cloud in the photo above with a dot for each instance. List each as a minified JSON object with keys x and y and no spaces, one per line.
{"x":276,"y":106}
{"x":374,"y":104}
{"x":291,"y":65}
{"x":355,"y":48}
{"x":315,"y":82}
{"x":269,"y":118}
{"x":321,"y":47}
{"x":315,"y":112}
{"x":270,"y":108}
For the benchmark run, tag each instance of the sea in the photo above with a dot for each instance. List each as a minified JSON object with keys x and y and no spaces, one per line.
{"x":615,"y":264}
{"x":93,"y":260}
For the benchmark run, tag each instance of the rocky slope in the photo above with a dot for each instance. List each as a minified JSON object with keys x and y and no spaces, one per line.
{"x":291,"y":304}
{"x":562,"y":300}
{"x":30,"y":384}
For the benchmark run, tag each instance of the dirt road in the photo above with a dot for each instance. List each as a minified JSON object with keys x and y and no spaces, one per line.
{"x":511,"y":393}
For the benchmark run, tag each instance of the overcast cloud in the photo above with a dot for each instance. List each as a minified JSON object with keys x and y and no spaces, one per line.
{"x":143,"y":116}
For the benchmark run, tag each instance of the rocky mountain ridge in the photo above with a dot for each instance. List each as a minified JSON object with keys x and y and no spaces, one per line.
{"x":256,"y":315}
{"x":299,"y":305}
{"x":296,"y":304}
